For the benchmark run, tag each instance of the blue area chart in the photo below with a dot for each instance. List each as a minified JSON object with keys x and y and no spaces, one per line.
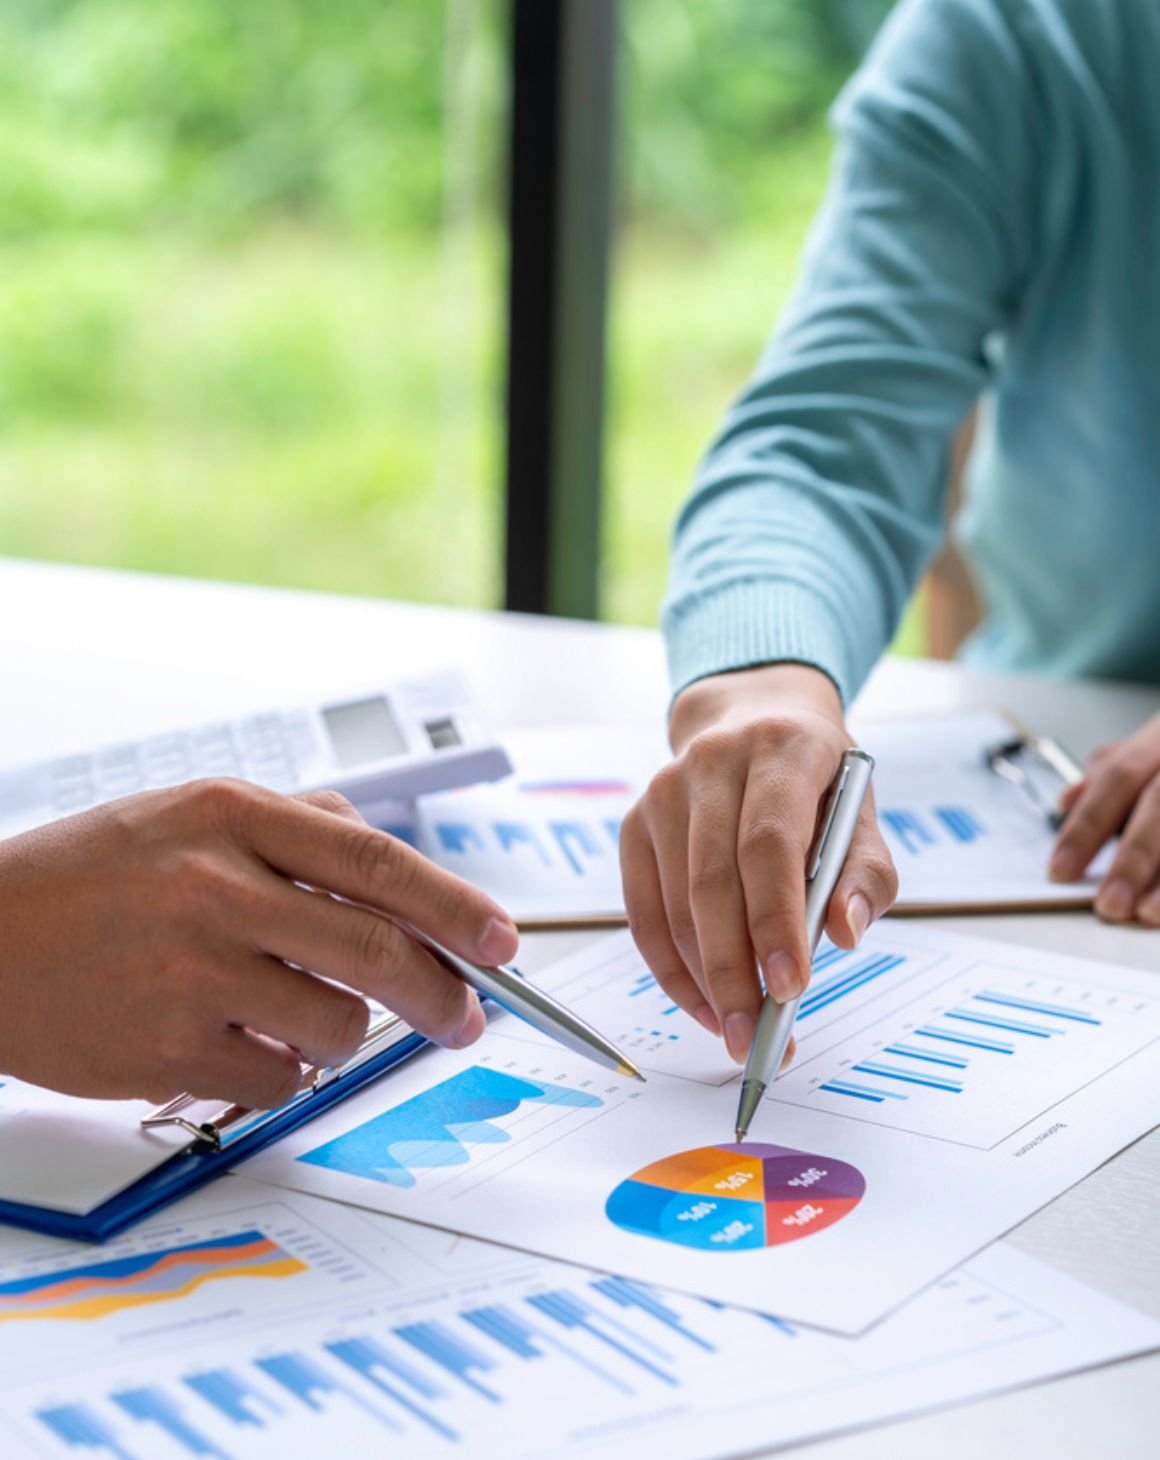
{"x":439,"y":1127}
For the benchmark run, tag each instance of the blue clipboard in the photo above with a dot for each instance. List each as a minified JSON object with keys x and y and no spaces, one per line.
{"x":193,"y":1167}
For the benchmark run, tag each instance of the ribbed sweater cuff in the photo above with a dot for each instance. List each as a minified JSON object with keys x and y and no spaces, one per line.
{"x":752,"y":622}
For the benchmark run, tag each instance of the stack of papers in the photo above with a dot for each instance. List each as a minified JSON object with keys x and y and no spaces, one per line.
{"x":252,"y":1324}
{"x":544,"y":842}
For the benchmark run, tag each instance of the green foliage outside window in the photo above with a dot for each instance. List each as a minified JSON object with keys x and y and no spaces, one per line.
{"x":251,"y":273}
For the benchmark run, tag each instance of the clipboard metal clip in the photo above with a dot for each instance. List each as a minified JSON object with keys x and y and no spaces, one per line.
{"x":1027,"y":762}
{"x":210,"y":1125}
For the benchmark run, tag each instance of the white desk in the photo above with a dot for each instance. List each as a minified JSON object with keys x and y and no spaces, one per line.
{"x":87,"y":656}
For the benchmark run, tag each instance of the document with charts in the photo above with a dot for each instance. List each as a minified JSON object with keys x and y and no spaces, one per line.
{"x":944,"y":1088}
{"x":544,"y":842}
{"x":961,"y":836}
{"x":251,"y":1324}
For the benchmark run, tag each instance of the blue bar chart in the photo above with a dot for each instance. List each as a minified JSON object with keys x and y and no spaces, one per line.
{"x":887,"y":1038}
{"x":427,"y":1384}
{"x":915,"y":831}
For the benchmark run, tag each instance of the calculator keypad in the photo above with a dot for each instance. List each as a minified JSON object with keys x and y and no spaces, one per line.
{"x":267,"y":749}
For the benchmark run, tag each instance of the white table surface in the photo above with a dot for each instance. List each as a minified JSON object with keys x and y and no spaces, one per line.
{"x":88,"y":656}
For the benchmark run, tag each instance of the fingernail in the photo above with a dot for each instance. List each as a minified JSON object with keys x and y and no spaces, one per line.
{"x":707,"y":1019}
{"x":499,"y":942}
{"x":857,"y":916}
{"x":1116,"y":900}
{"x":739,"y":1035}
{"x":1149,"y":911}
{"x":782,"y":979}
{"x":471,"y":1028}
{"x":1066,"y":865}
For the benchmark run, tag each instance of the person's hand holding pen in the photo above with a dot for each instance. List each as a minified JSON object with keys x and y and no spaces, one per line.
{"x":1119,"y":794}
{"x":162,"y":944}
{"x":714,"y":853}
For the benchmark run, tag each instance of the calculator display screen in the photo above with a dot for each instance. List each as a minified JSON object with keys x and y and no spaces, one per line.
{"x":363,"y":730}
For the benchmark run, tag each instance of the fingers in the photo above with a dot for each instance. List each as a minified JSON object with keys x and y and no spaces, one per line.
{"x":649,"y":923}
{"x":868,"y":885}
{"x":778,"y":818}
{"x":324,"y":1023}
{"x":334,"y":852}
{"x":369,"y":953}
{"x":666,"y":814}
{"x":717,"y":904}
{"x":1136,"y":864}
{"x":1106,"y":795}
{"x":245,"y":1068}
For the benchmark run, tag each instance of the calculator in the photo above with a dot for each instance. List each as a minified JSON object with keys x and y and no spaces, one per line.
{"x":390,"y":744}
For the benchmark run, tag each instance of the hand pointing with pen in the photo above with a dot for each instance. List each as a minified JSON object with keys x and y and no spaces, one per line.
{"x":714,"y":854}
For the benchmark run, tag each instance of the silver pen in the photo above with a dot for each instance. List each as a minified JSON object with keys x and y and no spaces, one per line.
{"x":513,"y":992}
{"x":775,"y":1022}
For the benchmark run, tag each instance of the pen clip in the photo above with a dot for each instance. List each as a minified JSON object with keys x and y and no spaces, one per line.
{"x":828,"y":815}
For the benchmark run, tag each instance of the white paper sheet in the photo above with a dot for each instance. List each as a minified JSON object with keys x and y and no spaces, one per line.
{"x":544,"y":842}
{"x":71,"y":1155}
{"x":945,"y":1087}
{"x":249,"y":1324}
{"x":959,"y":834}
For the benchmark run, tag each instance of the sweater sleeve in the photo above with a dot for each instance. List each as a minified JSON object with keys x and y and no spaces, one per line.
{"x":822,"y":497}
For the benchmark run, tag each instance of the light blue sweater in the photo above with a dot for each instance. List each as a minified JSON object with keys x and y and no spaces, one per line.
{"x":992,"y":226}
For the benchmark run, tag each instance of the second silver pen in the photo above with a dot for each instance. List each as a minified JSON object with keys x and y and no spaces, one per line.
{"x":515,"y":994}
{"x":775,"y":1022}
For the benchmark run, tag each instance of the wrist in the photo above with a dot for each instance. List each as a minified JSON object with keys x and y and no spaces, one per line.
{"x":746,"y":694}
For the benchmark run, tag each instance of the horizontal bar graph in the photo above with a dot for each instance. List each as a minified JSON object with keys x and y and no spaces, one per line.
{"x":846,"y":974}
{"x":967,"y":1055}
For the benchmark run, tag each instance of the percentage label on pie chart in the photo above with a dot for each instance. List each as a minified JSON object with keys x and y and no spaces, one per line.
{"x":732,"y":1198}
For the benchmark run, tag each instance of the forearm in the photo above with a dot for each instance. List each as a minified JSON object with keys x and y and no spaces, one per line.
{"x":822,"y":498}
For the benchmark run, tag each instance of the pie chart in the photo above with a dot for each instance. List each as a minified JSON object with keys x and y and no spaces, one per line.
{"x":732,"y":1198}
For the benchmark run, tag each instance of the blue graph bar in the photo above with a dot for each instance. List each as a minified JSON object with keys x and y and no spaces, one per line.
{"x":567,"y":832}
{"x":861,"y":1092}
{"x":910,"y":830}
{"x":512,"y":835}
{"x":307,"y":1380}
{"x":642,"y":985}
{"x":440,"y":1345}
{"x":232,"y":1397}
{"x":961,"y":823}
{"x":887,"y":1072}
{"x":951,"y":1061}
{"x":76,"y":1426}
{"x":628,"y":1294}
{"x":1037,"y":1030}
{"x":154,"y":1406}
{"x":847,"y":982}
{"x":612,"y":827}
{"x":971,"y":1041}
{"x":1032,"y":1007}
{"x":458,"y":836}
{"x":571,"y":1313}
{"x":367,"y":1358}
{"x":527,"y":1341}
{"x":506,"y":1329}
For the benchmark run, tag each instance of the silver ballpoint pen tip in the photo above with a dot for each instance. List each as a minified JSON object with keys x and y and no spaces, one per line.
{"x":625,"y":1068}
{"x":739,"y":1135}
